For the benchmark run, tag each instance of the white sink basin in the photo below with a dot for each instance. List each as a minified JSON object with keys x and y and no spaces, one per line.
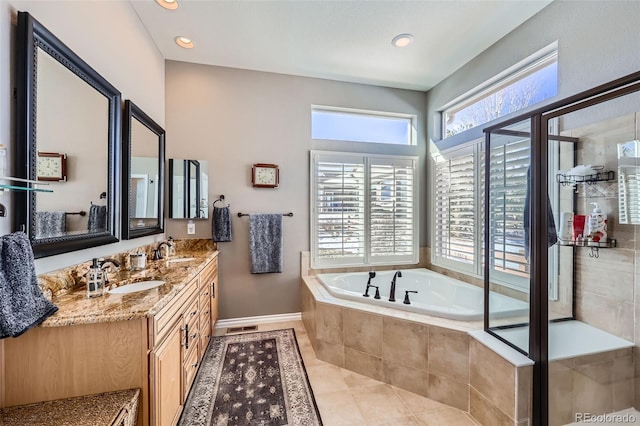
{"x":134,"y":287}
{"x":181,"y":259}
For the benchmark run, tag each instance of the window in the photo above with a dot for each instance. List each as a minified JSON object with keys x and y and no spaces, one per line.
{"x":532,"y":81}
{"x":344,"y":124}
{"x":364,"y":209}
{"x":458,"y":210}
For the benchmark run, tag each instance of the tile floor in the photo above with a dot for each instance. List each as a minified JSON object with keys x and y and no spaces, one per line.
{"x":345,"y":398}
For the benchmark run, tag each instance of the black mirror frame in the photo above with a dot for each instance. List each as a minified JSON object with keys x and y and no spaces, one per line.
{"x":132,"y":111}
{"x":186,"y":165}
{"x":30,"y":36}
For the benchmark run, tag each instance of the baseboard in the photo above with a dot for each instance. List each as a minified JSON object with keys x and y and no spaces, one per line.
{"x":263,"y":319}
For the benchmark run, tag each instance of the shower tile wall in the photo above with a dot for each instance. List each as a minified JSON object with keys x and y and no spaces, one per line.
{"x":607,"y":288}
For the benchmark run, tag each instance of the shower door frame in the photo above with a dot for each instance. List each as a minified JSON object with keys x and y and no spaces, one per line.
{"x":538,"y":277}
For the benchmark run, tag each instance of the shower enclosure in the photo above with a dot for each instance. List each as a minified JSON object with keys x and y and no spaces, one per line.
{"x":581,"y":290}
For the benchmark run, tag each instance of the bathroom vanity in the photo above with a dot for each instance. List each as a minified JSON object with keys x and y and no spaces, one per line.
{"x":152,"y":340}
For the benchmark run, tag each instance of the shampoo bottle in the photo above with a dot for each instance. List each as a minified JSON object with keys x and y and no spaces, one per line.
{"x":597,"y":225}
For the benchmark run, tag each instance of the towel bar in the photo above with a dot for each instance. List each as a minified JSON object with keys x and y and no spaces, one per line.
{"x":81,"y":213}
{"x":283,"y":214}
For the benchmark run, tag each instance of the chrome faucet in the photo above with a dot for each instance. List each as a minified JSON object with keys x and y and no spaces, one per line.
{"x":392,"y":292}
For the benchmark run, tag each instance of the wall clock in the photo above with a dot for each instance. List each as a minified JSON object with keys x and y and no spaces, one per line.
{"x":51,"y":166}
{"x":265,"y":175}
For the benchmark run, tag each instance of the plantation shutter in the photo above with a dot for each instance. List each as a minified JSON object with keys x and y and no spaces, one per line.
{"x":456,"y":219}
{"x":339,"y":198}
{"x":509,"y":164}
{"x":392,"y":215}
{"x":364,"y":209}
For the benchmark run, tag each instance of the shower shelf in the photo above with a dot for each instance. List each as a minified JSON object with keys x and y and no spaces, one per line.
{"x":564,"y":179}
{"x":23,"y":188}
{"x":594,"y":245}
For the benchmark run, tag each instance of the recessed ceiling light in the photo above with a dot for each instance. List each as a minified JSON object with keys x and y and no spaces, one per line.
{"x":184,"y":42}
{"x":402,"y":40}
{"x":168,"y":4}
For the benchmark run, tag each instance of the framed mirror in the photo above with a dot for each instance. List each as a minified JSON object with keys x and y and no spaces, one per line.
{"x":143,"y":174}
{"x":68,"y":124}
{"x":188,"y":189}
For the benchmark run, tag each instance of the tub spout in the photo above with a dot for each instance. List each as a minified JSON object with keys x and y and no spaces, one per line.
{"x":392,"y":292}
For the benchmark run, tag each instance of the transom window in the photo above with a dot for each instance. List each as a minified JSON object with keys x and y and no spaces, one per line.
{"x":364,"y":209}
{"x":344,"y":124}
{"x":532,"y":81}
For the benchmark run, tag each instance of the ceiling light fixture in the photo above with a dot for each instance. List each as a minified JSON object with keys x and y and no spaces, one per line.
{"x":168,"y":4}
{"x":184,"y":42}
{"x":402,"y":40}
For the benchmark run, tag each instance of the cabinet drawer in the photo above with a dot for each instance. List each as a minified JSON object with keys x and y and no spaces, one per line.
{"x":205,"y":336}
{"x":209,"y":274}
{"x":190,"y":368}
{"x":161,"y":322}
{"x":191,"y":326}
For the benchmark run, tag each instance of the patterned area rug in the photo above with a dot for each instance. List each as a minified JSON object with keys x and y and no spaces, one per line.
{"x":252,"y":379}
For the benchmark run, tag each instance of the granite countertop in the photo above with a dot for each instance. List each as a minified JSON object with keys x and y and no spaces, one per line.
{"x":91,"y":410}
{"x":75,"y":308}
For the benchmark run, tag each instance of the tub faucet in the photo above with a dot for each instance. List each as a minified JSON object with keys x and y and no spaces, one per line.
{"x":372,"y":275}
{"x":392,"y":292}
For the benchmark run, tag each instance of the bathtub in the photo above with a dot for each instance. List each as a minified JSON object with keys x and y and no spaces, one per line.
{"x":438,"y":295}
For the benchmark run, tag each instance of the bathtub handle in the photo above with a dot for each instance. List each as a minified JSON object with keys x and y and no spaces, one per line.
{"x":406,"y":296}
{"x":366,"y":293}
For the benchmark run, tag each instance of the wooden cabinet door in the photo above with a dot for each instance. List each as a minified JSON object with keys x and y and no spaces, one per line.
{"x":167,"y":379}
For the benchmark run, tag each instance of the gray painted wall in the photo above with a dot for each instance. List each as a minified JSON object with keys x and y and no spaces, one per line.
{"x":108,"y":36}
{"x":597,"y":43}
{"x":235,"y":118}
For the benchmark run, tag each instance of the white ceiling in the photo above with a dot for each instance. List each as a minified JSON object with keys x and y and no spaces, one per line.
{"x":348,"y":40}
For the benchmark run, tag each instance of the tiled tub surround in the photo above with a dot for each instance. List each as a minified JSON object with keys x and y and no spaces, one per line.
{"x":431,"y":356}
{"x":68,"y":286}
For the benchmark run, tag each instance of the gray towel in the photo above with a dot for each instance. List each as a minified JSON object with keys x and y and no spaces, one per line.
{"x":50,"y":224}
{"x":221,"y":226}
{"x":97,"y":218}
{"x":22,"y":304}
{"x":265,"y":243}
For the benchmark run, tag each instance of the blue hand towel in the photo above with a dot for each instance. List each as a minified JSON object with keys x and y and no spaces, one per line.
{"x":97,"y":218}
{"x":221,"y":227}
{"x":265,"y":243}
{"x":50,"y":224}
{"x":22,"y":304}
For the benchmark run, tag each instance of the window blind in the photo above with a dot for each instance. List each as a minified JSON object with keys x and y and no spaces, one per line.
{"x":455,"y":213}
{"x":340,"y":208}
{"x":364,"y":209}
{"x":508,"y":184}
{"x":392,"y":202}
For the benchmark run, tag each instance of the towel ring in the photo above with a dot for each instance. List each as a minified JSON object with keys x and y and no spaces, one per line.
{"x":221,"y":199}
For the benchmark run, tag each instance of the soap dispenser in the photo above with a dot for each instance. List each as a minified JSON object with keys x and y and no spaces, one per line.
{"x":95,"y":280}
{"x":597,"y":225}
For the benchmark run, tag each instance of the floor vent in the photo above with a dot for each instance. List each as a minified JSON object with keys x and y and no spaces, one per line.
{"x":242,"y":329}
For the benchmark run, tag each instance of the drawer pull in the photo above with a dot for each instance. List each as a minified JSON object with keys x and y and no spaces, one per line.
{"x":194,"y":312}
{"x":193,"y":336}
{"x":186,"y":336}
{"x":195,"y":364}
{"x":206,"y":312}
{"x":213,"y":289}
